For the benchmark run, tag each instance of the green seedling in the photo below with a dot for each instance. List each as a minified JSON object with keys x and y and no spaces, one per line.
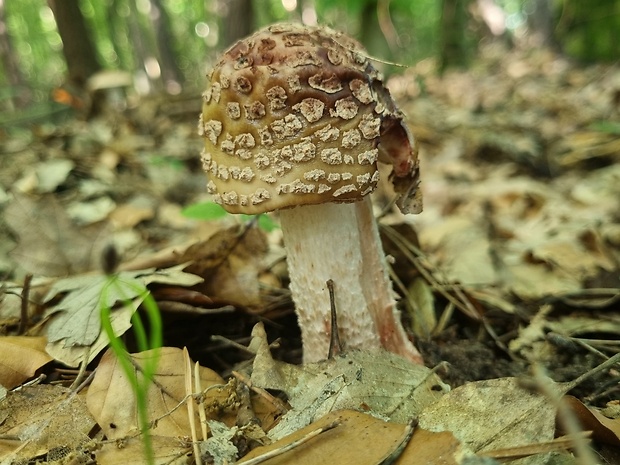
{"x":608,"y":127}
{"x":152,"y":340}
{"x":210,"y":211}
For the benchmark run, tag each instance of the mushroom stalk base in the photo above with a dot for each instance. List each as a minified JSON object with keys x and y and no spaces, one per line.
{"x":341,"y":242}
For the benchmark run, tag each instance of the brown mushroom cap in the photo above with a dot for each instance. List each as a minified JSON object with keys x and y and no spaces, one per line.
{"x":293,"y":116}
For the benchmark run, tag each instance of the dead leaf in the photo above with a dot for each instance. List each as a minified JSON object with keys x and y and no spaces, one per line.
{"x":219,"y":446}
{"x":72,"y":356}
{"x":493,"y":414}
{"x":166,"y":451}
{"x":380,"y":382}
{"x":579,"y":325}
{"x":362,"y":439}
{"x":49,"y":244}
{"x":10,"y":303}
{"x":532,"y":281}
{"x":230,"y":262}
{"x":52,"y":173}
{"x":175,"y":276}
{"x":421,"y":305}
{"x":606,"y":430}
{"x":534,"y":336}
{"x":112,"y":401}
{"x":460,"y":243}
{"x":91,"y":211}
{"x":45,"y":420}
{"x":76,"y":319}
{"x":129,"y":215}
{"x":21,"y":357}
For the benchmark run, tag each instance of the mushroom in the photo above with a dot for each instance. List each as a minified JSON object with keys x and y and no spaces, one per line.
{"x":295,"y":119}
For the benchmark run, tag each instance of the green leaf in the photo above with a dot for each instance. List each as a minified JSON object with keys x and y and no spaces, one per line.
{"x":266,"y":223}
{"x":608,"y":127}
{"x":204,"y":211}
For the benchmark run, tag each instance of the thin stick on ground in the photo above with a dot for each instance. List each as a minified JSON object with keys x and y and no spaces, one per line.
{"x":291,"y":445}
{"x":190,"y":407}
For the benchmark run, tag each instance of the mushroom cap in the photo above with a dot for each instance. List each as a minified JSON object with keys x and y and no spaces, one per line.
{"x":293,"y":116}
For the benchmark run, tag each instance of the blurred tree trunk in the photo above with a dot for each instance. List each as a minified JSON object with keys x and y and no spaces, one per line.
{"x":138,"y":38}
{"x":10,"y":64}
{"x":454,"y":50}
{"x":78,"y":48}
{"x":540,"y":21}
{"x":170,"y":72}
{"x":238,"y":20}
{"x":119,"y":29}
{"x":371,"y":32}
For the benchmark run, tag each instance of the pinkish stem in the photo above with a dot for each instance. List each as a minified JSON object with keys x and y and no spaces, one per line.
{"x":341,"y":242}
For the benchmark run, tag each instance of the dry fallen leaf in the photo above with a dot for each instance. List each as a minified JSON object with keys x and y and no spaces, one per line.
{"x":362,"y":439}
{"x":45,"y":420}
{"x":21,"y":357}
{"x":531,"y":237}
{"x":76,"y":319}
{"x":10,"y":303}
{"x":72,"y":356}
{"x":379,"y":382}
{"x":230,"y":262}
{"x":112,"y":402}
{"x":603,"y":429}
{"x":52,"y":173}
{"x":166,"y":451}
{"x":74,"y":329}
{"x":493,"y":414}
{"x":49,"y":244}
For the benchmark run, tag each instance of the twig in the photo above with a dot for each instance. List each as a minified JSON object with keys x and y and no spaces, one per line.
{"x":85,"y":383}
{"x":291,"y":445}
{"x":190,"y":407}
{"x":393,"y":456}
{"x":335,"y":346}
{"x":566,"y":417}
{"x":230,"y":342}
{"x":83,"y":365}
{"x":202,"y":413}
{"x":24,"y":318}
{"x":562,"y":443}
{"x":603,"y":366}
{"x":412,"y":253}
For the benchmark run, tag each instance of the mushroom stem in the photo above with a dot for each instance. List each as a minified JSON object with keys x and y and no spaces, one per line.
{"x":341,"y":242}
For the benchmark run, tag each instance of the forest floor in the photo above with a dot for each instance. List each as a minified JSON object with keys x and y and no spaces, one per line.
{"x":511,"y":277}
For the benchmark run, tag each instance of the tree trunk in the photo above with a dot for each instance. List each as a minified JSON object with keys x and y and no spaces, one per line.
{"x":453,"y":38}
{"x":119,"y":29}
{"x":170,"y":73}
{"x":238,"y":20}
{"x":78,"y":49}
{"x":9,"y":59}
{"x":371,"y":34}
{"x":540,"y":21}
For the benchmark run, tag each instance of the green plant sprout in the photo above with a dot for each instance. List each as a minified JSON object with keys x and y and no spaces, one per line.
{"x":608,"y":127}
{"x":153,"y":340}
{"x":211,"y":211}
